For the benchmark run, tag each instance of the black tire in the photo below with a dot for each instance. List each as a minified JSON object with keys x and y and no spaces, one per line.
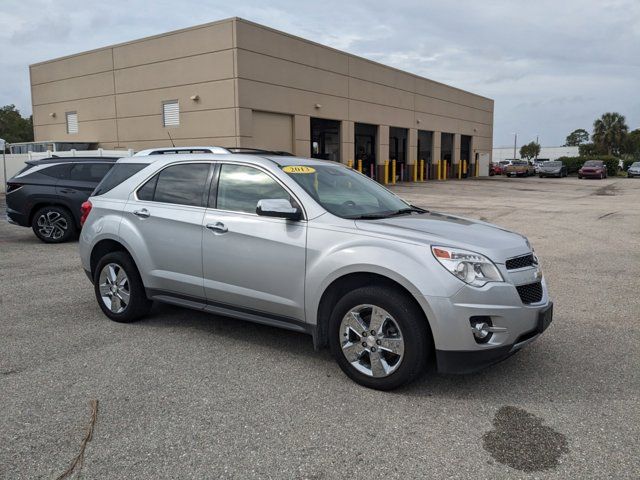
{"x":412,"y":324}
{"x":541,"y":176}
{"x":54,"y":224}
{"x":138,"y":305}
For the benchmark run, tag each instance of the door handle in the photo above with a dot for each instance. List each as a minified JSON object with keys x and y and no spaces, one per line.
{"x":144,"y":213}
{"x":217,"y":227}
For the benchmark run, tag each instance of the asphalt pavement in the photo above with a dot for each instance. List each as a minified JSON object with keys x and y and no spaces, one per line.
{"x":183,"y":394}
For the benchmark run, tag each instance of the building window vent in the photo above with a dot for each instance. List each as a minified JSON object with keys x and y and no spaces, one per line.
{"x":72,"y":122}
{"x":171,"y":113}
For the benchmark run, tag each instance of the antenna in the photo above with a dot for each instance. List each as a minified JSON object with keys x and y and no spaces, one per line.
{"x":172,"y":144}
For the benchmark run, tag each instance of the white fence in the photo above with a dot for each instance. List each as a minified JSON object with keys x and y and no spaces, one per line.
{"x":14,"y":162}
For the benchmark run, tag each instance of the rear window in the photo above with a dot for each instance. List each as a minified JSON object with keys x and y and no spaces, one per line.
{"x":89,"y":172}
{"x":118,"y":174}
{"x":57,"y":171}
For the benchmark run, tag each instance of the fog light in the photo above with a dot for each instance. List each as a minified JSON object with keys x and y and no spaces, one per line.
{"x":482,"y":328}
{"x":480,"y":331}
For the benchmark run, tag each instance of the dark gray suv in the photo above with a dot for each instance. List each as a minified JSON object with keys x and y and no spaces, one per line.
{"x":46,"y":195}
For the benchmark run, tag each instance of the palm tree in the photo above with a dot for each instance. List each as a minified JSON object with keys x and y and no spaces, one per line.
{"x":609,"y":131}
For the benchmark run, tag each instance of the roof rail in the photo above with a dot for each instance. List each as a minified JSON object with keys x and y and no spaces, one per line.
{"x":172,"y":150}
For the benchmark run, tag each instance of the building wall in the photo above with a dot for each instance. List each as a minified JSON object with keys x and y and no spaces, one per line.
{"x":118,"y":91}
{"x":283,"y":73}
{"x":255,"y":87}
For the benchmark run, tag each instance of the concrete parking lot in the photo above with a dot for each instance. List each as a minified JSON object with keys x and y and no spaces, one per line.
{"x":188,"y":395}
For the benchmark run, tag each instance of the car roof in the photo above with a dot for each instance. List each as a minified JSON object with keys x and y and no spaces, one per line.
{"x":174,"y":150}
{"x":44,"y":161}
{"x":264,"y":160}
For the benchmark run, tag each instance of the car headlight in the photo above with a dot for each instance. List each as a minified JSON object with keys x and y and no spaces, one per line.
{"x":470,"y":267}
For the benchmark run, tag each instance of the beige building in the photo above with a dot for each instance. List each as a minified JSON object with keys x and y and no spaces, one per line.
{"x":239,"y":84}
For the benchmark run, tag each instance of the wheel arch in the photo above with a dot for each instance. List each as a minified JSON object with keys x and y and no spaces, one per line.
{"x":350,"y":281}
{"x":38,"y":204}
{"x":103,"y":247}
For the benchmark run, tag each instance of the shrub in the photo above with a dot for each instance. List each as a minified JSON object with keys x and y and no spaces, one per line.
{"x":574,"y":164}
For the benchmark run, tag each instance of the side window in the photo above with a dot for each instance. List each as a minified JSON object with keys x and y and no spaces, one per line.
{"x":182,"y":184}
{"x":89,"y":172}
{"x":240,"y":188}
{"x":57,"y":171}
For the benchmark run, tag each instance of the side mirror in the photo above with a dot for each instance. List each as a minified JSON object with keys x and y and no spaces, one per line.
{"x":279,"y":208}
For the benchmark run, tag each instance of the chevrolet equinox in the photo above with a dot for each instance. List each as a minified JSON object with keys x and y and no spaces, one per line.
{"x":315,"y":247}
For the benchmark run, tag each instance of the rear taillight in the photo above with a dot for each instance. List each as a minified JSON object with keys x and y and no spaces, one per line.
{"x":85,"y":208}
{"x":12,"y":187}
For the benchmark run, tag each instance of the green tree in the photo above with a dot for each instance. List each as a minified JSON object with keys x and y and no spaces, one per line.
{"x":530,"y":150}
{"x":609,"y":132}
{"x":589,"y":150}
{"x":631,"y":144}
{"x":14,"y":127}
{"x":576,"y":138}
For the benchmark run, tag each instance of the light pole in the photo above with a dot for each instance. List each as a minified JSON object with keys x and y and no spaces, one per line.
{"x":515,"y":140}
{"x":3,"y":145}
{"x":537,"y":143}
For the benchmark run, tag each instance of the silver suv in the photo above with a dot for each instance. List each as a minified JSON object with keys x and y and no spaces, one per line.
{"x":314,"y":247}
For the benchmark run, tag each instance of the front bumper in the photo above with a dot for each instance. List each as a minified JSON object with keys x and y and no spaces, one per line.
{"x":450,"y":319}
{"x":469,"y":361}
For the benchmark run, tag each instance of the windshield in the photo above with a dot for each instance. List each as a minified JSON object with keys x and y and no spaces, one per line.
{"x":517,"y":162}
{"x":635,"y":164}
{"x":346,"y":193}
{"x":553,"y":164}
{"x":592,"y":163}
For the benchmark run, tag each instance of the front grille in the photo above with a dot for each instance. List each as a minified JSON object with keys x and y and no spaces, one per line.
{"x":520,"y":262}
{"x":530,"y":293}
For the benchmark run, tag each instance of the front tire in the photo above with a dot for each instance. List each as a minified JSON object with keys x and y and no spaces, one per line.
{"x":53,"y":224}
{"x":379,"y":337}
{"x":119,"y":288}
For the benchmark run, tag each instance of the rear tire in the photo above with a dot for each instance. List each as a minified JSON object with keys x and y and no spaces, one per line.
{"x":119,"y":289}
{"x":53,"y":224}
{"x":398,"y":320}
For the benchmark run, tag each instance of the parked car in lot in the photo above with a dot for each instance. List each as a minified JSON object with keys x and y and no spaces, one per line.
{"x":633,"y":170}
{"x":495,"y":169}
{"x":593,"y":169}
{"x":553,"y":169}
{"x":315,"y":247}
{"x":519,"y":168}
{"x":46,"y":195}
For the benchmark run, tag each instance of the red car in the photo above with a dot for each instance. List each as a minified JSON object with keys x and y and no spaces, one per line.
{"x":495,"y":169}
{"x":593,"y":169}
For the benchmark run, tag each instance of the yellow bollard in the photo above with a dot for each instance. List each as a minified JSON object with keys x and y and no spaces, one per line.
{"x":350,"y":163}
{"x":422,"y":169}
{"x":459,"y":170}
{"x":386,"y":172}
{"x":393,"y":171}
{"x":445,"y":173}
{"x":415,"y":172}
{"x":464,"y":167}
{"x":360,"y":165}
{"x":438,"y":175}
{"x":477,"y":169}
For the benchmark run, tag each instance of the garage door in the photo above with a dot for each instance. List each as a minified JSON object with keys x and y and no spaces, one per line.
{"x":272,"y":131}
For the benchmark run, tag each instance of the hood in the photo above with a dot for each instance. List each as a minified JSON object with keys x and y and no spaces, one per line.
{"x":434,"y":228}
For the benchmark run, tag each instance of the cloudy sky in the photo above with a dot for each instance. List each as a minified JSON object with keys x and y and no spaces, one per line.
{"x":551,"y":66}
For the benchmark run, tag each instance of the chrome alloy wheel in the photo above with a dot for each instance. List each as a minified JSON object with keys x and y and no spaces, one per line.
{"x":114,"y":287}
{"x":52,"y":225}
{"x":371,"y":340}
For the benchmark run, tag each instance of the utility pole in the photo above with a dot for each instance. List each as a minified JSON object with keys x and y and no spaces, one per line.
{"x":3,"y":145}
{"x":537,"y":143}
{"x":515,"y":141}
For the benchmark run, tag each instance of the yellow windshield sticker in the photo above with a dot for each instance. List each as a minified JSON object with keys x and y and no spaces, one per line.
{"x":298,"y":169}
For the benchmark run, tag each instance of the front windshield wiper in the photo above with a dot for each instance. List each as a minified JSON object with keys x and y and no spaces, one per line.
{"x":370,"y":216}
{"x":410,"y":209}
